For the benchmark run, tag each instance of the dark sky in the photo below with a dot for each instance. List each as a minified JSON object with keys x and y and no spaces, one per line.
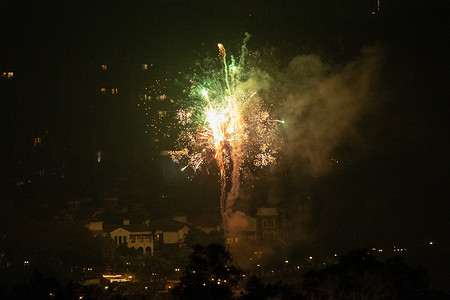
{"x":390,"y":72}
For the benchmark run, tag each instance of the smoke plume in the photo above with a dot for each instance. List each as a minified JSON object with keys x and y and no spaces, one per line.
{"x":321,"y":104}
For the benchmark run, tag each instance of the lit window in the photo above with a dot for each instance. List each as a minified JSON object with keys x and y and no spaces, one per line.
{"x":10,"y":74}
{"x":165,"y":153}
{"x":104,"y":67}
{"x":37,"y":141}
{"x":144,"y":67}
{"x":102,"y":91}
{"x":162,"y":113}
{"x":5,"y":74}
{"x":114,"y":91}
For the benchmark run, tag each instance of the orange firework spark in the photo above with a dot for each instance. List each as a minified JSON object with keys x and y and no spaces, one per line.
{"x":234,"y":128}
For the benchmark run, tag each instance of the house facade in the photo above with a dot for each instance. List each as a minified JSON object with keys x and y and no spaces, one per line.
{"x":267,"y":223}
{"x":169,"y":232}
{"x":143,"y":237}
{"x":242,"y":232}
{"x":137,"y":236}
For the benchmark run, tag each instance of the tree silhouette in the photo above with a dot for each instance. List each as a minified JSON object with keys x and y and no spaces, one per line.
{"x":197,"y":236}
{"x":404,"y":282}
{"x":312,"y":282}
{"x":257,"y":290}
{"x":356,"y":276}
{"x":209,"y":274}
{"x":359,"y":275}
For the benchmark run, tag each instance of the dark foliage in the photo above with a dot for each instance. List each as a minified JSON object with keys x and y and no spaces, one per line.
{"x":209,"y":274}
{"x":257,"y":290}
{"x":359,"y":275}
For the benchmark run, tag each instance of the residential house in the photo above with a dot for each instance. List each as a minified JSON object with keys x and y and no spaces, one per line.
{"x":242,"y":229}
{"x":267,"y":223}
{"x":208,"y":223}
{"x":95,"y":226}
{"x":169,"y":232}
{"x":137,"y":236}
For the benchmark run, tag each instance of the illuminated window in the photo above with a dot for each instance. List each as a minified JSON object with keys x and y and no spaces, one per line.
{"x":102,"y":91}
{"x":8,"y":75}
{"x":104,"y":67}
{"x":165,"y":153}
{"x":162,"y":113}
{"x":114,"y":91}
{"x":144,"y":67}
{"x":37,"y":141}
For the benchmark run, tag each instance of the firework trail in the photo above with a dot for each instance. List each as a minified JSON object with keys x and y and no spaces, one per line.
{"x":226,"y":121}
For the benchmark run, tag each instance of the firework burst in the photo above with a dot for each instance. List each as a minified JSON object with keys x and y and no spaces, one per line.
{"x":226,"y":121}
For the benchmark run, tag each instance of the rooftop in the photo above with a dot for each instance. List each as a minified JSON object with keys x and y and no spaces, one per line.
{"x":167,"y":225}
{"x":129,"y":228}
{"x":266,"y":211}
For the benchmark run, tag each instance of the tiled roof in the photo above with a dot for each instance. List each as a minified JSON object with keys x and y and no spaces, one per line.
{"x":92,"y":219}
{"x":266,"y":211}
{"x":166,"y":225}
{"x":129,"y":228}
{"x":207,"y":221}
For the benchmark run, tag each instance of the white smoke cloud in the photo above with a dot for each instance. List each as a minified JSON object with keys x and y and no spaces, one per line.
{"x":321,"y":105}
{"x":237,"y":221}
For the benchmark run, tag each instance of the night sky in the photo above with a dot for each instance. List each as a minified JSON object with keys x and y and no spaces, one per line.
{"x":364,"y":98}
